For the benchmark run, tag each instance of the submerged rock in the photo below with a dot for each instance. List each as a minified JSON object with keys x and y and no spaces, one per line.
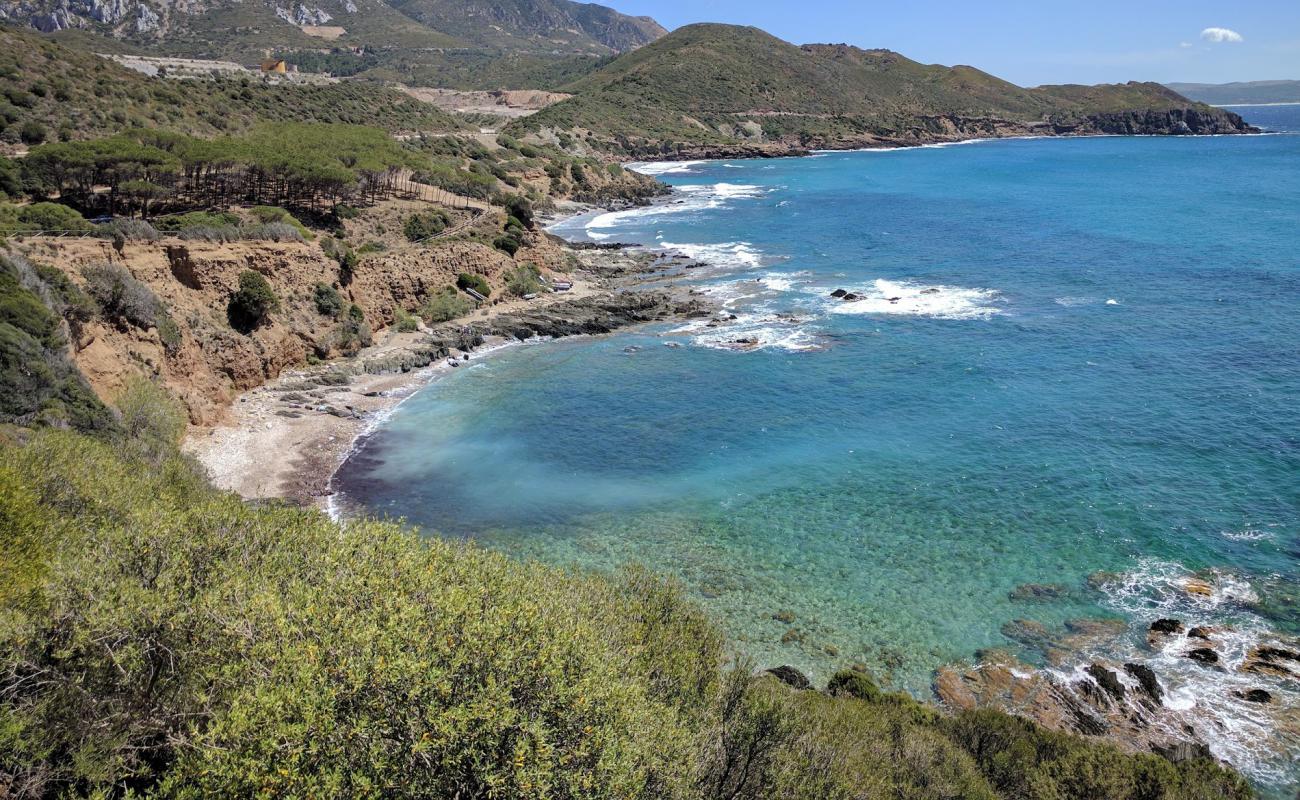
{"x":1256,"y":696}
{"x":1166,"y":625}
{"x":1038,"y":591}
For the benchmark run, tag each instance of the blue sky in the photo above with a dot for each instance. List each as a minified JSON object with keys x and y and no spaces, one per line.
{"x":1047,"y":41}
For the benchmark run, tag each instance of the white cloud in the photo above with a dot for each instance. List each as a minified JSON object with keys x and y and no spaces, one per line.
{"x":1221,"y":35}
{"x":1184,"y":44}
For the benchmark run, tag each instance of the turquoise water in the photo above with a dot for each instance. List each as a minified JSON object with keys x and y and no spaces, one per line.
{"x":1068,"y":356}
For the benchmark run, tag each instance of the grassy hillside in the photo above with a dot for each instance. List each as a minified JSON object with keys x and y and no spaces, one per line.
{"x":49,"y":91}
{"x":720,"y":84}
{"x":535,"y":25}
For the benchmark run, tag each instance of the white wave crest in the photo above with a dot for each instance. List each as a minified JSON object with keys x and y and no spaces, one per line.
{"x":664,"y":167}
{"x":1253,"y":737}
{"x":757,"y":331}
{"x":686,"y":201}
{"x":916,"y":299}
{"x":732,"y":255}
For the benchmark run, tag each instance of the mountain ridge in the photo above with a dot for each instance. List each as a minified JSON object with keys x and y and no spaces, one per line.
{"x":231,"y":28}
{"x":723,"y":89}
{"x":1241,"y":92}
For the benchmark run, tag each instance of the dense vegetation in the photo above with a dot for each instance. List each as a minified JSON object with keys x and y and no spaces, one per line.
{"x":50,"y":92}
{"x":275,"y":164}
{"x":166,"y":639}
{"x":38,"y":383}
{"x":716,"y":84}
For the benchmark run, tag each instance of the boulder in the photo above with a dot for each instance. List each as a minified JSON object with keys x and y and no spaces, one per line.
{"x":1107,"y":680}
{"x":1147,"y":681}
{"x":1183,"y":751}
{"x":839,"y":293}
{"x":1204,"y":655}
{"x":1166,"y":625}
{"x":790,"y":677}
{"x":1255,"y":696}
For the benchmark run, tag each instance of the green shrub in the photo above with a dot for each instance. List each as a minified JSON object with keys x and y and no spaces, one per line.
{"x":38,"y":383}
{"x":11,"y":182}
{"x":508,"y":242}
{"x":404,"y":322}
{"x":32,"y":132}
{"x":445,"y":305}
{"x":470,"y":280}
{"x":153,"y":422}
{"x":197,"y":219}
{"x":352,"y":334}
{"x":854,"y":684}
{"x":418,"y":227}
{"x":524,"y":279}
{"x":521,"y":209}
{"x":121,"y":297}
{"x":274,"y":214}
{"x":355,"y":313}
{"x":53,"y":217}
{"x":327,"y":299}
{"x":252,"y":303}
{"x":348,"y":261}
{"x":128,"y":229}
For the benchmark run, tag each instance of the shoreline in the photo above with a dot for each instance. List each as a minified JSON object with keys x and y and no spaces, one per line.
{"x":286,"y":439}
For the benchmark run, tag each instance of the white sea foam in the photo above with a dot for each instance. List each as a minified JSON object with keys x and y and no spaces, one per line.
{"x":1250,"y":736}
{"x":1070,"y":302}
{"x":664,"y":167}
{"x":686,"y":201}
{"x":732,"y":255}
{"x":760,"y":330}
{"x":1247,"y":535}
{"x":917,"y":299}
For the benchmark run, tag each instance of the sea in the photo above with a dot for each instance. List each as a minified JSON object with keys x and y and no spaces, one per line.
{"x":1062,"y":363}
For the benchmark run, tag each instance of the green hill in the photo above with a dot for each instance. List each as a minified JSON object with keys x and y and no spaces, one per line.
{"x":50,"y":91}
{"x":1243,"y":93}
{"x":740,"y":89}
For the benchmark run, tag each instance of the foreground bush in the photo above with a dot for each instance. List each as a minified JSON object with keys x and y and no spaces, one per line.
{"x":177,"y":642}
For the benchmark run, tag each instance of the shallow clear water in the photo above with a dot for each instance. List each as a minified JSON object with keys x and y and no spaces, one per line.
{"x":1068,"y":356}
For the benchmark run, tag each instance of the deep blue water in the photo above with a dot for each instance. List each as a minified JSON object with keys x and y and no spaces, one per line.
{"x":1068,"y":356}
